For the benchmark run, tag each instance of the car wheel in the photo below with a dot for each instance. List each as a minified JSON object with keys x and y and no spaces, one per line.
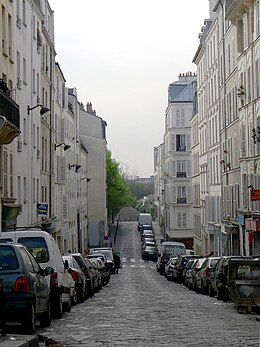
{"x":211,"y":291}
{"x":29,"y":323}
{"x":57,"y":309}
{"x":81,"y":295}
{"x":202,"y":289}
{"x":45,"y":319}
{"x":67,"y":305}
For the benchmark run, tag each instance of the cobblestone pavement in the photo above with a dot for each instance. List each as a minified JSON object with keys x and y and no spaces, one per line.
{"x":140,"y":308}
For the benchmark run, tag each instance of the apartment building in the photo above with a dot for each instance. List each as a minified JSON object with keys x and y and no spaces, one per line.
{"x":44,"y":162}
{"x":178,"y":214}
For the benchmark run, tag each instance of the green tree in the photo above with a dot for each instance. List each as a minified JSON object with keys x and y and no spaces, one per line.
{"x":118,"y":195}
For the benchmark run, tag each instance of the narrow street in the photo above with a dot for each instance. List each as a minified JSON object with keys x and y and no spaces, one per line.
{"x":139,"y":307}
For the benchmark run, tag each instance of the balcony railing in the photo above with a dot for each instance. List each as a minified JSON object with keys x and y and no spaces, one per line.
{"x":9,"y":109}
{"x":181,"y":148}
{"x":181,"y":174}
{"x":181,"y":200}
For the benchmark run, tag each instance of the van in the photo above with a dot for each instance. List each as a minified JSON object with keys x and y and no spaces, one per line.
{"x":46,"y":251}
{"x":144,"y":218}
{"x":167,"y":250}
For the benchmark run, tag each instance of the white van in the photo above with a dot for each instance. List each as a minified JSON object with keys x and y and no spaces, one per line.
{"x":47,"y":253}
{"x":167,"y":250}
{"x":144,"y":218}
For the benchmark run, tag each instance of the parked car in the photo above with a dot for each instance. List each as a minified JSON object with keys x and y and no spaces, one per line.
{"x":180,"y":265}
{"x":146,"y":227}
{"x":104,"y":270}
{"x":47,"y":254}
{"x":193,"y":272}
{"x":149,"y":242}
{"x":186,"y":269}
{"x":203,"y":275}
{"x":86,"y":267}
{"x":27,"y":294}
{"x":167,"y":250}
{"x":144,"y":218}
{"x":169,"y":268}
{"x":97,"y":276}
{"x":149,"y":253}
{"x":108,"y":253}
{"x":78,"y":278}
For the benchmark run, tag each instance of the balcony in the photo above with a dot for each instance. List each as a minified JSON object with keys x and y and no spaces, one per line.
{"x":181,"y":200}
{"x":181,"y":174}
{"x":9,"y":116}
{"x":232,"y":6}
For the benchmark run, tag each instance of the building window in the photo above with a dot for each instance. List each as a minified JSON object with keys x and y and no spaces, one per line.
{"x":181,"y":195}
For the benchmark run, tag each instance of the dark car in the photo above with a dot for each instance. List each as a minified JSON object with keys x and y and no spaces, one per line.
{"x":104,"y":270}
{"x":78,"y":277}
{"x":203,"y":275}
{"x":149,"y":253}
{"x":86,"y":267}
{"x":193,"y":272}
{"x":180,"y":265}
{"x":26,"y":291}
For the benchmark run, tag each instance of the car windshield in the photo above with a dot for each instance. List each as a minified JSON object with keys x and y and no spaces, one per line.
{"x":37,"y":246}
{"x":8,"y":260}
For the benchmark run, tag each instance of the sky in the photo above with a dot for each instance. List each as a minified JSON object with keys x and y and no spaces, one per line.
{"x":121,"y":55}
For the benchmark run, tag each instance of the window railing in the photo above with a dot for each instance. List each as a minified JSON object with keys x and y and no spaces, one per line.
{"x":181,"y":174}
{"x":181,"y":148}
{"x":181,"y":200}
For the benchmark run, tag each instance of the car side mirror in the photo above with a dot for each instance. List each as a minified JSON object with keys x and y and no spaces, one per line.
{"x":47,"y":271}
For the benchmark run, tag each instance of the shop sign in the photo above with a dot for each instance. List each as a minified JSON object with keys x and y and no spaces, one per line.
{"x":255,"y":194}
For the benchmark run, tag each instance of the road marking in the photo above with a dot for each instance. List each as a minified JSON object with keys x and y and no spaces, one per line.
{"x":132,"y":265}
{"x":132,"y":260}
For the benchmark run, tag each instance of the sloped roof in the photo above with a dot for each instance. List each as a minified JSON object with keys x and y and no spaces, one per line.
{"x":181,"y":91}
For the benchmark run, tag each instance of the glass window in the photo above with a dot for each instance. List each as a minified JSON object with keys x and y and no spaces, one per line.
{"x":27,"y":260}
{"x":8,"y":260}
{"x":37,"y":246}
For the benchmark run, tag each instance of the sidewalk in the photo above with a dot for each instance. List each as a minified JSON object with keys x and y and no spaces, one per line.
{"x":19,"y":341}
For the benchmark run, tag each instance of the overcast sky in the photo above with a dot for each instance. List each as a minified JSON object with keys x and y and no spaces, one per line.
{"x":121,"y":55}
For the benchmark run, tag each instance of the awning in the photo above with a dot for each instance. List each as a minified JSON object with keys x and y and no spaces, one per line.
{"x":10,"y":212}
{"x":8,"y":131}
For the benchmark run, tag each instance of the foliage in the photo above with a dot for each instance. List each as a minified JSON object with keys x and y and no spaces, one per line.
{"x":146,"y":205}
{"x":118,"y":195}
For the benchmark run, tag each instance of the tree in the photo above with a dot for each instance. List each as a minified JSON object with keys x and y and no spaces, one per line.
{"x":118,"y":195}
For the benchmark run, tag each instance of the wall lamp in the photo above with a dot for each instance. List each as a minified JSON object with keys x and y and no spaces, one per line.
{"x":77,"y":166}
{"x":42,"y":111}
{"x":86,"y":178}
{"x":60,"y":144}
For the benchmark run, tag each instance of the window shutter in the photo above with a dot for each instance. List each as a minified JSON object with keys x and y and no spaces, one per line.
{"x":243,"y":141}
{"x":189,"y":195}
{"x":62,"y":131}
{"x":178,"y":118}
{"x":174,"y":142}
{"x":189,"y":174}
{"x":65,"y":207}
{"x":184,"y":220}
{"x":188,"y":142}
{"x":63,"y":169}
{"x":179,"y":220}
{"x":174,"y":168}
{"x":174,"y":195}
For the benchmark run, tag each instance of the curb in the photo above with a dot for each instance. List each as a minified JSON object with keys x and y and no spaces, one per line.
{"x":19,"y":341}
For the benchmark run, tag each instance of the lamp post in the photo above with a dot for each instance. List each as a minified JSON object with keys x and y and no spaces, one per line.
{"x":42,"y":111}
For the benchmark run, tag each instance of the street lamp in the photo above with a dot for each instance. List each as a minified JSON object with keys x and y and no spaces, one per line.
{"x":77,"y":166}
{"x":60,"y":144}
{"x":86,"y":178}
{"x":42,"y":111}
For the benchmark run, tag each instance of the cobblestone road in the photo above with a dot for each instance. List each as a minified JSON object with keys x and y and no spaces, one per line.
{"x":141,"y":308}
